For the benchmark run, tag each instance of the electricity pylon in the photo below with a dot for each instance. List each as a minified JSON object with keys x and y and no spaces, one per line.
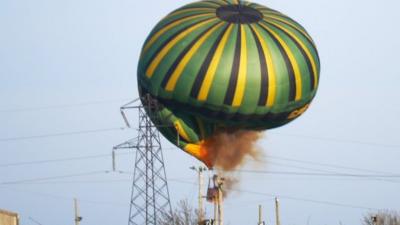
{"x":150,"y":194}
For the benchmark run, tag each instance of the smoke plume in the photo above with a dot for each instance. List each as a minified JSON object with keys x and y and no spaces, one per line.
{"x":228,"y":149}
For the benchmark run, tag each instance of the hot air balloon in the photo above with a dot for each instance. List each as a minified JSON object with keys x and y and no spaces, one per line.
{"x":226,"y":64}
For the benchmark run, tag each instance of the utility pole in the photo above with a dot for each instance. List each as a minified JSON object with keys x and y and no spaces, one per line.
{"x":375,"y":220}
{"x":220,"y":204}
{"x":216,"y":215}
{"x":218,"y":200}
{"x":200,"y":171}
{"x":260,"y":221}
{"x":278,"y":222}
{"x":78,"y":218}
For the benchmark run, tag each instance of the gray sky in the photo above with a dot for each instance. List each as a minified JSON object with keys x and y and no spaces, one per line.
{"x":58,"y":53}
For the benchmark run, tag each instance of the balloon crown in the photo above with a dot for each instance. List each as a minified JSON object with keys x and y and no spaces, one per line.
{"x":239,"y":14}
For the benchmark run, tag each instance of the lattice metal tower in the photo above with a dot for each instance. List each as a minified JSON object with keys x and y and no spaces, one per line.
{"x":150,"y":194}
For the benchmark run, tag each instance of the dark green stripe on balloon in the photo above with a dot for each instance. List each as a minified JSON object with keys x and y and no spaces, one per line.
{"x":264,"y":72}
{"x":289,"y":66}
{"x":172,"y":68}
{"x":204,"y":67}
{"x":235,"y":70}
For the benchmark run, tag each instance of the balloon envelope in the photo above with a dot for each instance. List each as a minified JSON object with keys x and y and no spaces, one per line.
{"x":226,"y":64}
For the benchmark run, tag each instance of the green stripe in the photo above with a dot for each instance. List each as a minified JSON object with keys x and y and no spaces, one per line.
{"x":200,"y":4}
{"x":307,"y":60}
{"x":310,"y":45}
{"x":171,"y":19}
{"x":291,"y":87}
{"x":182,"y":54}
{"x":216,"y":3}
{"x":289,"y":20}
{"x":186,"y":81}
{"x":233,"y":77}
{"x":305,"y":73}
{"x":169,"y":59}
{"x":253,"y":76}
{"x":148,"y":55}
{"x":205,"y":65}
{"x":219,"y":85}
{"x":264,"y":82}
{"x":282,"y":89}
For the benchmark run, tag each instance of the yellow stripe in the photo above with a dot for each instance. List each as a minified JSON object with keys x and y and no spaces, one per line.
{"x":181,"y":131}
{"x":210,"y":3}
{"x":223,"y":2}
{"x":304,"y":47}
{"x":241,"y":82}
{"x":188,"y":10}
{"x":170,"y":26}
{"x":156,"y":61}
{"x":270,"y":67}
{"x":290,"y":24}
{"x":209,"y":77}
{"x":182,"y":64}
{"x":292,"y":59}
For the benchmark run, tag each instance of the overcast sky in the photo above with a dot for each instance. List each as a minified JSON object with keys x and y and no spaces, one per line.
{"x":67,"y":65}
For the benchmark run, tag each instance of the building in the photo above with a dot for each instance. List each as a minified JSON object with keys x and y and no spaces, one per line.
{"x":8,"y":218}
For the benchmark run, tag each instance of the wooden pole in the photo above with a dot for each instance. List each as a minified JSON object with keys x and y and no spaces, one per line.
{"x":218,"y":183}
{"x":278,"y":222}
{"x":217,"y":200}
{"x":78,"y":218}
{"x":260,"y":222}
{"x":201,"y":210}
{"x":220,"y":204}
{"x":113,"y":160}
{"x":216,"y":219}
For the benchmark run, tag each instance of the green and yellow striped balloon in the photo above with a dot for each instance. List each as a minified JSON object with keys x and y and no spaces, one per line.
{"x":219,"y":64}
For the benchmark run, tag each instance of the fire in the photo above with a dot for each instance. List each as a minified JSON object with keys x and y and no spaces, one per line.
{"x":201,"y":153}
{"x":226,"y":150}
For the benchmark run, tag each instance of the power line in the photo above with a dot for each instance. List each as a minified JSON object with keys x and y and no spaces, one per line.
{"x":299,"y":167}
{"x":127,"y":180}
{"x":323,"y":202}
{"x":67,"y":198}
{"x":33,"y":220}
{"x":306,"y":174}
{"x":60,"y":134}
{"x":121,"y":128}
{"x":37,"y":162}
{"x":78,"y":182}
{"x":326,"y":164}
{"x":54,"y":160}
{"x":326,"y":172}
{"x":329,"y":171}
{"x":191,"y":183}
{"x":341,"y":140}
{"x":305,"y":199}
{"x":63,"y":105}
{"x":319,"y":174}
{"x":264,"y":161}
{"x":53,"y":177}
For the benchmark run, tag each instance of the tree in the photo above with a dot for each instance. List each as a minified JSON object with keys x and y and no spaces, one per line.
{"x":183,"y":214}
{"x":383,"y":217}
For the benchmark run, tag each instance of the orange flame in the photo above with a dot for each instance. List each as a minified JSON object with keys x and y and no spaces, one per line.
{"x":201,"y":153}
{"x":226,"y":149}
